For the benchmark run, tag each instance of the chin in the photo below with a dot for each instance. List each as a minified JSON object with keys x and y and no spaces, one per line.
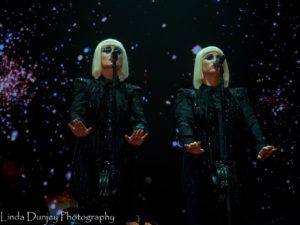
{"x":107,"y":65}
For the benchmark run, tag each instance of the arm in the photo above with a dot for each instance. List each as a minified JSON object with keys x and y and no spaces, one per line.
{"x":79,"y":105}
{"x":263,"y":150}
{"x":184,"y":120}
{"x":137,"y":119}
{"x":250,"y":119}
{"x":78,"y":108}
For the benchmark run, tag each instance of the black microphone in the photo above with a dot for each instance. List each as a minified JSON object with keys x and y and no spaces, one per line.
{"x":219,"y":60}
{"x":115,"y":54}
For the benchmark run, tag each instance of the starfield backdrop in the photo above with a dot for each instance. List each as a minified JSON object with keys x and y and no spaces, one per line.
{"x":45,"y":45}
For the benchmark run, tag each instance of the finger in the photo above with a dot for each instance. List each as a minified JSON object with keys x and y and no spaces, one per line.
{"x":192,"y":145}
{"x":71,"y":126}
{"x":138,"y":135}
{"x":269,"y":151}
{"x":134,"y":133}
{"x":77,"y":125}
{"x":195,"y":145}
{"x":89,"y":130}
{"x":72,"y":123}
{"x":271,"y":147}
{"x":76,"y":122}
{"x":187,"y":146}
{"x":199,"y":150}
{"x":127,"y":138}
{"x":259,"y":157}
{"x":81,"y":125}
{"x":145,"y":135}
{"x":139,"y":132}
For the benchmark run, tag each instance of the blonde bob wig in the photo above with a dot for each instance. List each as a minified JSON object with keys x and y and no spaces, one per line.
{"x":97,"y":65}
{"x":198,"y":74}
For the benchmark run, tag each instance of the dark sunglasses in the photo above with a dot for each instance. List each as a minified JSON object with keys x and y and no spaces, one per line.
{"x":108,"y":50}
{"x":211,"y":57}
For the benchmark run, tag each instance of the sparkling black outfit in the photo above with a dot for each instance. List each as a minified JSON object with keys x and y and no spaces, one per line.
{"x":110,"y":121}
{"x":196,"y":116}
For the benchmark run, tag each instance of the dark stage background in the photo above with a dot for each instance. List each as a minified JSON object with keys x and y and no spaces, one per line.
{"x":45,"y":45}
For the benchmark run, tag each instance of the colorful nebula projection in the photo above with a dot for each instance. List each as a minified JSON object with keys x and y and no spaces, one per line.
{"x":44,"y":45}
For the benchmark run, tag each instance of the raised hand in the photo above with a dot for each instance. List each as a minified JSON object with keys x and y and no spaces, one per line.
{"x":79,"y":129}
{"x":137,"y":137}
{"x":194,"y":148}
{"x":266,"y":152}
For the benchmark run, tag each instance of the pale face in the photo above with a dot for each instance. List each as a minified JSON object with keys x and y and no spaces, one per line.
{"x":208,"y":66}
{"x":106,"y":56}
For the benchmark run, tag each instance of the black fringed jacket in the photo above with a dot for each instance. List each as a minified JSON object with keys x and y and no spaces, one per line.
{"x":196,"y":117}
{"x":90,"y":106}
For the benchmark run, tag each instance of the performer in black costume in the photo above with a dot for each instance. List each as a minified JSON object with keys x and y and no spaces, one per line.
{"x":108,"y":119}
{"x":215,"y":123}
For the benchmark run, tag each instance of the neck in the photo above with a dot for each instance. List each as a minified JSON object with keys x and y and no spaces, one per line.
{"x":211,"y":81}
{"x":107,"y":73}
